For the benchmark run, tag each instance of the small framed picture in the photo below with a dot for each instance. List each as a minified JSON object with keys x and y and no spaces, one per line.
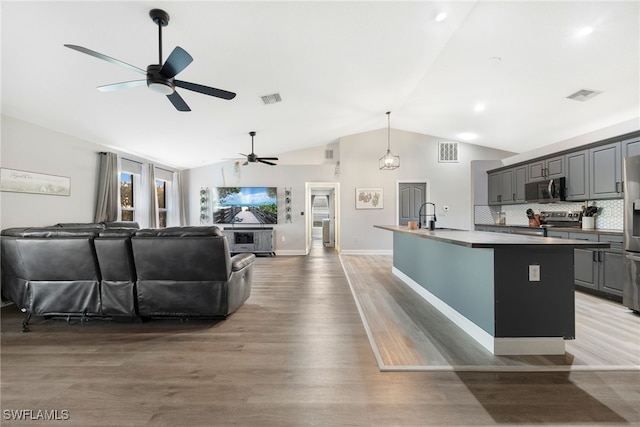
{"x":369,"y":198}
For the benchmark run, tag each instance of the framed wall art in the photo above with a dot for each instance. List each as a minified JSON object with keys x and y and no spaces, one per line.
{"x":18,"y":181}
{"x":369,"y":198}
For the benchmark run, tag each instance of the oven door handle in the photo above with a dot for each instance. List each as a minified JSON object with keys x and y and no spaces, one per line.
{"x":551,"y":190}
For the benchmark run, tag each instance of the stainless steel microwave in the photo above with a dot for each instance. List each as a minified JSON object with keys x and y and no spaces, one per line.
{"x":547,"y":191}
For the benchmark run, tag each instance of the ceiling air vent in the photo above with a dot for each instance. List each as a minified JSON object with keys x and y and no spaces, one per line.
{"x":272,"y":99}
{"x":584,"y":94}
{"x":328,"y":154}
{"x":448,"y":152}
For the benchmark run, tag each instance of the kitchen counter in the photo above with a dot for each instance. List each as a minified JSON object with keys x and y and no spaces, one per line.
{"x":563,"y":229}
{"x":480,"y":239}
{"x":513,"y":294}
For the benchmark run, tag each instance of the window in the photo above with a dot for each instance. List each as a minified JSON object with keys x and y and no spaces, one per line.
{"x":127,"y":207}
{"x":161,"y":189}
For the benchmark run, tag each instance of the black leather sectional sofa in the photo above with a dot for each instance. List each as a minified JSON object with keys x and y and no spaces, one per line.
{"x":115,"y":270}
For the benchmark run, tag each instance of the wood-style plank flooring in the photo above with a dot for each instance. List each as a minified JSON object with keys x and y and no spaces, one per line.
{"x":296,"y":354}
{"x":407,"y":333}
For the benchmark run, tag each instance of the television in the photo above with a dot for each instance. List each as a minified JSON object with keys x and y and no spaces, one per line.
{"x":245,"y":205}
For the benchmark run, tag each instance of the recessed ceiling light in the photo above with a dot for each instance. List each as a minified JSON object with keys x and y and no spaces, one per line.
{"x":467,"y":136}
{"x":479,"y":107}
{"x":441,"y":17}
{"x":584,"y":31}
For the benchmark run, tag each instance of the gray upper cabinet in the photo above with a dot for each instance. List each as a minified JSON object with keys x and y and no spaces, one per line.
{"x":578,"y":175}
{"x":605,"y":168}
{"x":546,"y":169}
{"x":494,"y":188}
{"x":631,"y":147}
{"x":519,"y":181}
{"x":507,"y":186}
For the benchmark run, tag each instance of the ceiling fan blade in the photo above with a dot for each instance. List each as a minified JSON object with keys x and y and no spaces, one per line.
{"x":176,"y":62}
{"x":261,"y":160}
{"x":106,"y":58}
{"x":178,"y":102}
{"x":269,"y":158}
{"x":123,"y":85}
{"x":218,"y":93}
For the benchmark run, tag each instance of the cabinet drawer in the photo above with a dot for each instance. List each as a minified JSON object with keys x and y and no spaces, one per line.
{"x":584,"y":236}
{"x":558,"y":234}
{"x":614,"y":241}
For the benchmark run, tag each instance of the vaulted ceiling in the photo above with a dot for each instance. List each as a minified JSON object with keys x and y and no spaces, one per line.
{"x":338,"y":67}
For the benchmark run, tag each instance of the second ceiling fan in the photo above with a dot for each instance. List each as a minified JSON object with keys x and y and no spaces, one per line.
{"x":253,"y":158}
{"x":160,"y":77}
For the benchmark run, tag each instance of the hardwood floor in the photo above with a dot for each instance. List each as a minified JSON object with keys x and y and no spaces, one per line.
{"x":295,"y":354}
{"x":407,"y":333}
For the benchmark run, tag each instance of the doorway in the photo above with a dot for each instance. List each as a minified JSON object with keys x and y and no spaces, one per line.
{"x":411,"y":196}
{"x":323,"y":219}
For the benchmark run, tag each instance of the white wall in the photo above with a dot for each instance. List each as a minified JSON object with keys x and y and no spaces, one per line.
{"x":257,"y":175}
{"x":450,"y":184}
{"x":25,"y":146}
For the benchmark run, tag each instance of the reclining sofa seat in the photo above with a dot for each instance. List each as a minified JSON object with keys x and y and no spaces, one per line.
{"x":189,"y":272}
{"x":51,"y":271}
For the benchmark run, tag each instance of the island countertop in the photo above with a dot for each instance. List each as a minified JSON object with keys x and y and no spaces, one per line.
{"x":483,"y":239}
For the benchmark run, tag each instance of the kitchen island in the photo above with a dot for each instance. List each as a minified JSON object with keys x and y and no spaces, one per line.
{"x":514,"y":294}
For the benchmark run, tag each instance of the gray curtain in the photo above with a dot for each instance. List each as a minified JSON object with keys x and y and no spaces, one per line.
{"x":149,"y":207}
{"x":107,"y":206}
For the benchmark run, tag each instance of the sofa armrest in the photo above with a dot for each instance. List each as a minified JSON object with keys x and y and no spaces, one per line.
{"x":240,"y":261}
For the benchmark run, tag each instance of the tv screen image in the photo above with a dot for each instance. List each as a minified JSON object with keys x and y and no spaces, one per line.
{"x":245,"y":205}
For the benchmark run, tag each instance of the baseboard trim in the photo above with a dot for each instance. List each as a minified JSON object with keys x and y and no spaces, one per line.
{"x":366,"y":252}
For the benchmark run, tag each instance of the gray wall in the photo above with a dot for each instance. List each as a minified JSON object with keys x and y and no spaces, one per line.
{"x":25,"y":146}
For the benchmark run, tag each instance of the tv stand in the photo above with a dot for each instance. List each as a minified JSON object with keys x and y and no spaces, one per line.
{"x":250,"y":239}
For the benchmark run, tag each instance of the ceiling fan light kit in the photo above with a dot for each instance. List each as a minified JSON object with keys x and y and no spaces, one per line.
{"x":389,"y":161}
{"x":160,"y":77}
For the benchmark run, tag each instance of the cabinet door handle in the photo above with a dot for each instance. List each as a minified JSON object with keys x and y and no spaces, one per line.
{"x":499,"y":197}
{"x":595,"y":256}
{"x":600,"y":256}
{"x":618,"y":190}
{"x":514,"y":196}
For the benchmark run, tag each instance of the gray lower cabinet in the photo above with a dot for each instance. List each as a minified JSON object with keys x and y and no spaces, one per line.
{"x":599,"y":269}
{"x":250,"y":240}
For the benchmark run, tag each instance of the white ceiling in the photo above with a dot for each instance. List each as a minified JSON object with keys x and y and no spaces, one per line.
{"x":339,"y":66}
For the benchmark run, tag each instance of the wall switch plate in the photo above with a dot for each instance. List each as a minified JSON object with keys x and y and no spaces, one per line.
{"x":283,"y":238}
{"x":534,"y":273}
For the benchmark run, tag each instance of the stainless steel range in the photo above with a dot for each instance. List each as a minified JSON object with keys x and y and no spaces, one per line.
{"x":561,"y":218}
{"x":551,"y":219}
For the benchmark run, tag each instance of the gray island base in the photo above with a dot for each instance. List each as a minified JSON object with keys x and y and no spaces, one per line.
{"x":513,"y":294}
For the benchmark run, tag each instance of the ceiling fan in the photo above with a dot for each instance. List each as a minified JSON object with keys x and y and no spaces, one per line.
{"x":160,"y":77}
{"x":252,"y":158}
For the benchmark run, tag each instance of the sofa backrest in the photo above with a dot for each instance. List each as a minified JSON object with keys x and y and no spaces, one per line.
{"x":198,"y":254}
{"x":50,"y":253}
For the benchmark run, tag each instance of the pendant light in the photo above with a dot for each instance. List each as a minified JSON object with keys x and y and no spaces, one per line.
{"x":389,"y":161}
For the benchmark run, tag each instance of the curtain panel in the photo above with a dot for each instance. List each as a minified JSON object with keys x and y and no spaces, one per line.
{"x":108,"y":201}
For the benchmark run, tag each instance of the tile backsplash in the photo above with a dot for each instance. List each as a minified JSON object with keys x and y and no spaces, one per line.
{"x":609,"y":218}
